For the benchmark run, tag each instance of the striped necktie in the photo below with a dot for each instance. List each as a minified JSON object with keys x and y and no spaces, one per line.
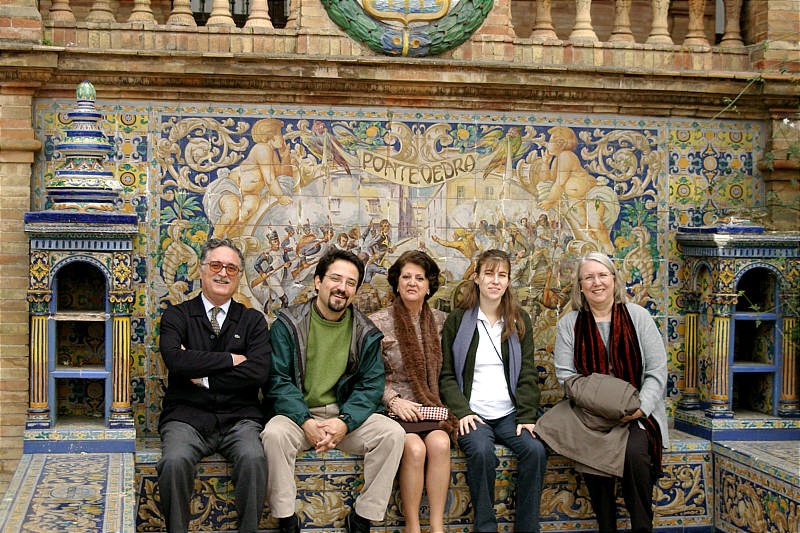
{"x":214,"y":323}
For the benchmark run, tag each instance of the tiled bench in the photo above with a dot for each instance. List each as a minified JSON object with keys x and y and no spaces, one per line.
{"x":327,"y":484}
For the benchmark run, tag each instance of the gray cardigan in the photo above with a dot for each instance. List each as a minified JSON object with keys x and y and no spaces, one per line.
{"x":652,"y":394}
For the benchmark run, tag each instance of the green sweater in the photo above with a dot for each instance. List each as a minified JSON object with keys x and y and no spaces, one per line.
{"x":525,"y":398}
{"x":328,"y":347}
{"x":358,"y":391}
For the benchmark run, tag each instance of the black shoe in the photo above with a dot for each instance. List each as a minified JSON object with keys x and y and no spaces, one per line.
{"x":290,"y":524}
{"x":356,"y":524}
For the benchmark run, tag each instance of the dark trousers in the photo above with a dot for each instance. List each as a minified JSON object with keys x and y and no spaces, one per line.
{"x":478,"y":446}
{"x":637,"y":488}
{"x":182,"y":447}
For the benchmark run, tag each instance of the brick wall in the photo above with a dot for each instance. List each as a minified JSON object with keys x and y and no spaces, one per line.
{"x":20,"y":21}
{"x":17,"y":146}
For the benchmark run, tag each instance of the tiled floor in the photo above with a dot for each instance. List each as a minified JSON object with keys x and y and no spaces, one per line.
{"x":85,"y":492}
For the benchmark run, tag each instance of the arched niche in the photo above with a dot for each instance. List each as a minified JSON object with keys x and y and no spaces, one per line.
{"x":80,"y":349}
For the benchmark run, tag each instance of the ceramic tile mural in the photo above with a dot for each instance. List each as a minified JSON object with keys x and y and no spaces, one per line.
{"x":287,"y":183}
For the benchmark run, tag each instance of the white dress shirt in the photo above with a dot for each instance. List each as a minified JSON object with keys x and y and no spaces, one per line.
{"x":221,"y":314}
{"x":489,"y":398}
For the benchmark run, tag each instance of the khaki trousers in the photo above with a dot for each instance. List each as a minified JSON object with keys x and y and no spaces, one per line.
{"x":379,"y":439}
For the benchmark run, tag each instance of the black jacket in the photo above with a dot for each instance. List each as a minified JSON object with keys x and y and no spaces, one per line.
{"x":233,"y":391}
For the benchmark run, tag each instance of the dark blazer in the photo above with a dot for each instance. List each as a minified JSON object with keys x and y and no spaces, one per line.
{"x":233,"y":391}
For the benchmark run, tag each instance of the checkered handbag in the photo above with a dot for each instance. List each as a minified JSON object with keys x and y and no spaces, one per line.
{"x":433,"y":413}
{"x":429,"y":413}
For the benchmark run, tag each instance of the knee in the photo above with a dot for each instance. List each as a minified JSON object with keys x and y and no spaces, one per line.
{"x":534,"y":456}
{"x":414,"y":451}
{"x":477,"y":448}
{"x":274,"y":434}
{"x":174,"y":462}
{"x":252,"y":459}
{"x":438,"y":445}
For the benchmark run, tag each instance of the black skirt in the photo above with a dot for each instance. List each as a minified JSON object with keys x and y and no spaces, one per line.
{"x":421,"y":428}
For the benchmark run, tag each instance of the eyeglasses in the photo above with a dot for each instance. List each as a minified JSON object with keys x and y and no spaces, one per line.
{"x":217,"y":266}
{"x":337,"y":279}
{"x":601,"y":277}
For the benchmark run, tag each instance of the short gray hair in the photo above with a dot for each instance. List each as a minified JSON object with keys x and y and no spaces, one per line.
{"x":577,"y":298}
{"x":218,"y":243}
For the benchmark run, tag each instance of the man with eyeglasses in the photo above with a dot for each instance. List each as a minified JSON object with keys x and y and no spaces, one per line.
{"x":218,"y":356}
{"x":324,"y":389}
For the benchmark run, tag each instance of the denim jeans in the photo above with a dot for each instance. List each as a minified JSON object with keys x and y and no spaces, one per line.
{"x":478,"y":446}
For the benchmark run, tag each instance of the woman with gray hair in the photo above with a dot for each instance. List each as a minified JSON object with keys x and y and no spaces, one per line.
{"x":605,"y":335}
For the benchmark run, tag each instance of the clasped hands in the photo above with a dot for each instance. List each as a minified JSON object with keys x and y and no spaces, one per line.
{"x":325,"y":434}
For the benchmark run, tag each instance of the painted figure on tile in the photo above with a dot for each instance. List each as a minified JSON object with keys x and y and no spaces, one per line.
{"x":464,"y":243}
{"x":310,"y":248}
{"x":177,"y":254}
{"x":326,"y":146}
{"x":272,"y":266}
{"x":324,"y":391}
{"x":378,"y":243}
{"x":355,"y":239}
{"x":342,"y":241}
{"x":370,"y":269}
{"x":264,"y":178}
{"x":504,"y":148}
{"x":217,"y":353}
{"x":560,"y":182}
{"x":289,"y":240}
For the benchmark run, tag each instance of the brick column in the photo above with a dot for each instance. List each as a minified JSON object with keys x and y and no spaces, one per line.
{"x":783,"y":22}
{"x":494,"y":40}
{"x":17,"y":148}
{"x":20,"y":20}
{"x":780,"y":175}
{"x":316,"y":32}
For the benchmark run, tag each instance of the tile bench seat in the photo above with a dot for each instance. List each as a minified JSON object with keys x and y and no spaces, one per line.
{"x":328,"y":483}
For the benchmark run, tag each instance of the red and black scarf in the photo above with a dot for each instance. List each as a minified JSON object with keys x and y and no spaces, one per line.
{"x":624,"y":356}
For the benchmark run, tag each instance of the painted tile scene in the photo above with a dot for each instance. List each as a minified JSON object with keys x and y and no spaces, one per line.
{"x":288,"y":183}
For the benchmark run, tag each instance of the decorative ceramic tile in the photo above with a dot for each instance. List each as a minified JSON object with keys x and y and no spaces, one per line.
{"x":757,"y":486}
{"x":327,"y":485}
{"x":381,"y":181}
{"x":71,"y":492}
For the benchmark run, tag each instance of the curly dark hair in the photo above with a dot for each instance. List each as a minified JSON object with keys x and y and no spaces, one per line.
{"x":334,"y":254}
{"x":422,"y":260}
